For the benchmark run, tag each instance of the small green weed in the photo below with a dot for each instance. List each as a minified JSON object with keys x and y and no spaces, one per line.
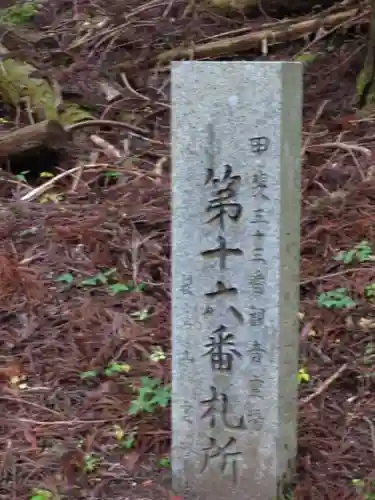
{"x":113,"y":286}
{"x":125,"y":441}
{"x":19,"y":14}
{"x":165,"y":462}
{"x":40,"y":494}
{"x":117,"y":288}
{"x":362,"y":252}
{"x":22,"y":176}
{"x":335,"y":299}
{"x":113,"y":368}
{"x":151,"y":394}
{"x":303,"y":376}
{"x":89,"y":374}
{"x":111,"y":174}
{"x":157,"y":354}
{"x":91,"y":463}
{"x":100,"y":278}
{"x":128,"y":441}
{"x":66,"y":278}
{"x":370,"y":291}
{"x":46,"y":175}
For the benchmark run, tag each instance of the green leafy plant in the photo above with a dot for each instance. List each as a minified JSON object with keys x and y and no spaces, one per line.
{"x":100,"y":278}
{"x":89,"y":374}
{"x":335,"y":299}
{"x":65,"y":278}
{"x":113,"y":368}
{"x":370,"y":291}
{"x":117,"y":288}
{"x":114,"y":287}
{"x":157,"y":354}
{"x":40,"y":494}
{"x":128,"y":441}
{"x":125,"y":440}
{"x":151,"y":394}
{"x":362,"y":252}
{"x":165,"y":462}
{"x":22,"y":176}
{"x":112,"y":175}
{"x":302,"y":376}
{"x":19,"y":14}
{"x":91,"y":462}
{"x":46,"y":175}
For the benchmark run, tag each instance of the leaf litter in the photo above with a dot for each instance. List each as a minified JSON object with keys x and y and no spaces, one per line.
{"x":85,"y":279}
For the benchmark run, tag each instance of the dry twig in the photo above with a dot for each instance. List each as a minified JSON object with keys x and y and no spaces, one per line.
{"x":324,"y":385}
{"x":345,"y":146}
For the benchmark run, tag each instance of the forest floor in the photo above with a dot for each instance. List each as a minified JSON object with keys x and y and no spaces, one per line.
{"x":85,"y":269}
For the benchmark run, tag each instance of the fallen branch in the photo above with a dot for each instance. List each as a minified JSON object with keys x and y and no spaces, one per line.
{"x":35,"y":193}
{"x":343,"y":145}
{"x":108,"y":148}
{"x":328,"y":277}
{"x":48,"y":133}
{"x":273,"y":33}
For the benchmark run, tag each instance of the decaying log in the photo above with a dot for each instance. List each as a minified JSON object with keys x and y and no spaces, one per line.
{"x":49,"y":134}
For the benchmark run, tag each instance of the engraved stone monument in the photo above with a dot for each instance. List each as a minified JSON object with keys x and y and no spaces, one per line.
{"x":236,"y":130}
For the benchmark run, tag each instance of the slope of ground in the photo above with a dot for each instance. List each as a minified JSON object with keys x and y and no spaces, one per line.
{"x":85,"y":268}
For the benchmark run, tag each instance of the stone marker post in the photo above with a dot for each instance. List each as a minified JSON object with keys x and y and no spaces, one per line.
{"x":236,"y":130}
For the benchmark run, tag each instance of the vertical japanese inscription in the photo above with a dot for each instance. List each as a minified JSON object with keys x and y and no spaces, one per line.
{"x":223,"y":203}
{"x":258,"y":278}
{"x":221,"y":349}
{"x":222,"y":208}
{"x":219,"y":404}
{"x":234,"y":332}
{"x":227,"y":455}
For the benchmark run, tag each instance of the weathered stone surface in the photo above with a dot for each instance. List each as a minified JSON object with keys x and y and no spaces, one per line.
{"x":236,"y":199}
